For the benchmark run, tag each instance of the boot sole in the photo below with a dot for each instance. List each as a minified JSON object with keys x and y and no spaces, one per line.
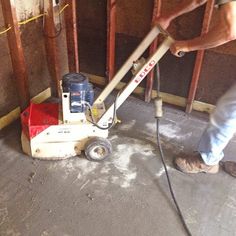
{"x":213,"y":170}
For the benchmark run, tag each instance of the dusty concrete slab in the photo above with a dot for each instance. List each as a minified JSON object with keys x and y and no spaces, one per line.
{"x":126,"y":195}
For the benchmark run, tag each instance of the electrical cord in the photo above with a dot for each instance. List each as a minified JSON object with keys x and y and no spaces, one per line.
{"x":113,"y":118}
{"x":157,"y":74}
{"x":30,"y":19}
{"x":168,"y":180}
{"x":5,"y":30}
{"x":34,"y":18}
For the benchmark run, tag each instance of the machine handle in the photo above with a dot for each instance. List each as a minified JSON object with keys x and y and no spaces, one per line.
{"x":164,"y":32}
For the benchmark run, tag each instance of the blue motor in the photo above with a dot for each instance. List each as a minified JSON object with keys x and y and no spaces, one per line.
{"x":80,"y":90}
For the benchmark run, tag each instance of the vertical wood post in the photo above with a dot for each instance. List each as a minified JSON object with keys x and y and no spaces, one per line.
{"x":153,"y":47}
{"x":199,"y":57}
{"x":111,"y":32}
{"x":16,"y":52}
{"x":50,"y":35}
{"x":72,"y":36}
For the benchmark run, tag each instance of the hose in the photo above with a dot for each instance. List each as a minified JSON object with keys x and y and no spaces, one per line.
{"x":158,"y":105}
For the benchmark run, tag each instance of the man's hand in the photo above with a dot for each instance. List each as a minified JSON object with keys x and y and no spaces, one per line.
{"x":221,"y":33}
{"x":164,"y":22}
{"x":181,"y":8}
{"x":178,"y":47}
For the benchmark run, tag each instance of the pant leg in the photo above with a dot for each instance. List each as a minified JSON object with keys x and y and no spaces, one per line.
{"x":221,"y":128}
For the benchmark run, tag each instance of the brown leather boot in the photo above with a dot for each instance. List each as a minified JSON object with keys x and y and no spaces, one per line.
{"x":194,"y":164}
{"x":229,"y":167}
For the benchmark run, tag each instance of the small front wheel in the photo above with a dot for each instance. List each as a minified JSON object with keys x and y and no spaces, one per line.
{"x":98,"y":149}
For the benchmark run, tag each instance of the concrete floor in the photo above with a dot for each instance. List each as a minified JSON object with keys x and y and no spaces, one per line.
{"x":126,"y":195}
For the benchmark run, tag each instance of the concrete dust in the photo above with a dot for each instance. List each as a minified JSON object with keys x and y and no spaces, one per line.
{"x":125,"y":173}
{"x":31,"y":177}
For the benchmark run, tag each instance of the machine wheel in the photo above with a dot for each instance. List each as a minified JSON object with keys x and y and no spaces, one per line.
{"x":98,"y":149}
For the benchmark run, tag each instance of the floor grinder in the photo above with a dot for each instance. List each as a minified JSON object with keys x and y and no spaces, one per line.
{"x":58,"y":131}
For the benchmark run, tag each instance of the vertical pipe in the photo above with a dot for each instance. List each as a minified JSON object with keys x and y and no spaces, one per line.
{"x":72,"y":36}
{"x":51,"y":47}
{"x":16,"y":52}
{"x":150,"y":77}
{"x":199,"y":58}
{"x":111,"y":32}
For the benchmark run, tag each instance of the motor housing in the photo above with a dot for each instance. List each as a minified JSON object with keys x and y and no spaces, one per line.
{"x":80,"y":91}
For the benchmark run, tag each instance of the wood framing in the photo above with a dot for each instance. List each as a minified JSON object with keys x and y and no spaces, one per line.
{"x":137,"y":78}
{"x":72,"y":36}
{"x":15,"y":114}
{"x":111,"y":33}
{"x":16,"y":52}
{"x":50,"y":35}
{"x":167,"y":98}
{"x":149,"y":84}
{"x":101,"y":81}
{"x":129,"y":63}
{"x":199,"y":57}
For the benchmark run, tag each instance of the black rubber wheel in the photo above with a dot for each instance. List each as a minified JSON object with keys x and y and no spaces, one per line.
{"x":98,"y":149}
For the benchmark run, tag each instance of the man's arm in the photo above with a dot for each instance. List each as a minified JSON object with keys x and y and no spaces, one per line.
{"x":182,"y":8}
{"x":223,"y":32}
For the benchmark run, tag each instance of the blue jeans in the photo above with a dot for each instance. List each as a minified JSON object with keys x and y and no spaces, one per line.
{"x":221,"y":129}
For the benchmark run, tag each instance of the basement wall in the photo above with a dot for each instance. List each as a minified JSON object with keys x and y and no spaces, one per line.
{"x":35,"y":55}
{"x":133,"y":23}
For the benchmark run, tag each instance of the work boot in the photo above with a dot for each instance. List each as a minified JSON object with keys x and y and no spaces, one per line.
{"x":194,"y":164}
{"x":229,"y":167}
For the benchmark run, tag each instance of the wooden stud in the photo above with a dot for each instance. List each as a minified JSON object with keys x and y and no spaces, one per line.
{"x":111,"y":32}
{"x":50,"y":34}
{"x":199,"y":57}
{"x":167,"y":98}
{"x":16,"y":52}
{"x":101,"y":81}
{"x":153,"y":47}
{"x":72,"y":35}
